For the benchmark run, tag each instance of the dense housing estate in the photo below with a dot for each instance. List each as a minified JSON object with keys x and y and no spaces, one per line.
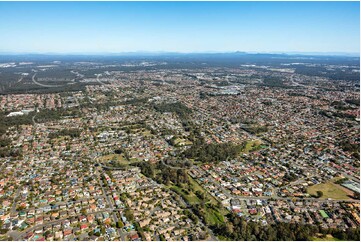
{"x":177,"y":153}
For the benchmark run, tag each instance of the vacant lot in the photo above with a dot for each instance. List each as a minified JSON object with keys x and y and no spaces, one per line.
{"x":330,"y":190}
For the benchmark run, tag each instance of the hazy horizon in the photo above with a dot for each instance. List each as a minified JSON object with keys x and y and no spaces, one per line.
{"x":125,"y":53}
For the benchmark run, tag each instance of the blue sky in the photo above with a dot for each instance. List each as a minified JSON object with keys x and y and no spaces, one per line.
{"x":67,"y":27}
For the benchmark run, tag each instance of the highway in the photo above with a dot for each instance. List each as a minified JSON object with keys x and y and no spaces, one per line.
{"x":44,"y":85}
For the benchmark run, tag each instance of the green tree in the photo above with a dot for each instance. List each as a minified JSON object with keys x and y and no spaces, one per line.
{"x":120,"y":224}
{"x":319,"y":194}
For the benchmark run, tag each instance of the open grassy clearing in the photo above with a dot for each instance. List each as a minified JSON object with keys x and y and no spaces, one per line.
{"x":211,"y":213}
{"x":252,"y":145}
{"x":328,"y":237}
{"x":134,"y":160}
{"x":146,"y":133}
{"x":329,"y":190}
{"x":116,"y":160}
{"x":190,"y":198}
{"x":189,"y":195}
{"x":181,"y":142}
{"x":197,"y":187}
{"x":114,"y":157}
{"x":213,"y":216}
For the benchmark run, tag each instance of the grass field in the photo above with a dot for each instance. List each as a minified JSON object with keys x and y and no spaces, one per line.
{"x":212,"y":214}
{"x":252,"y":145}
{"x":119,"y":158}
{"x":327,"y":238}
{"x":147,"y":133}
{"x":197,"y":187}
{"x":190,"y":198}
{"x":330,"y":190}
{"x":133,"y":160}
{"x":178,"y":141}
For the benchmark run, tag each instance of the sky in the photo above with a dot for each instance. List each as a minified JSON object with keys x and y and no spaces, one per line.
{"x":113,"y":27}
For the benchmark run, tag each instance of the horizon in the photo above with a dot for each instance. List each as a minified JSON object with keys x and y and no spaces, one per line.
{"x":160,"y":53}
{"x":180,"y":27}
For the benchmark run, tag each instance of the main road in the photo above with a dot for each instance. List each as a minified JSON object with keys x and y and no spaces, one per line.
{"x":44,"y":85}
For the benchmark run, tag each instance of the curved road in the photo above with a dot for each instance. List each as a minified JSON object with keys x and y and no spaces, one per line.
{"x":44,"y":85}
{"x":99,"y":81}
